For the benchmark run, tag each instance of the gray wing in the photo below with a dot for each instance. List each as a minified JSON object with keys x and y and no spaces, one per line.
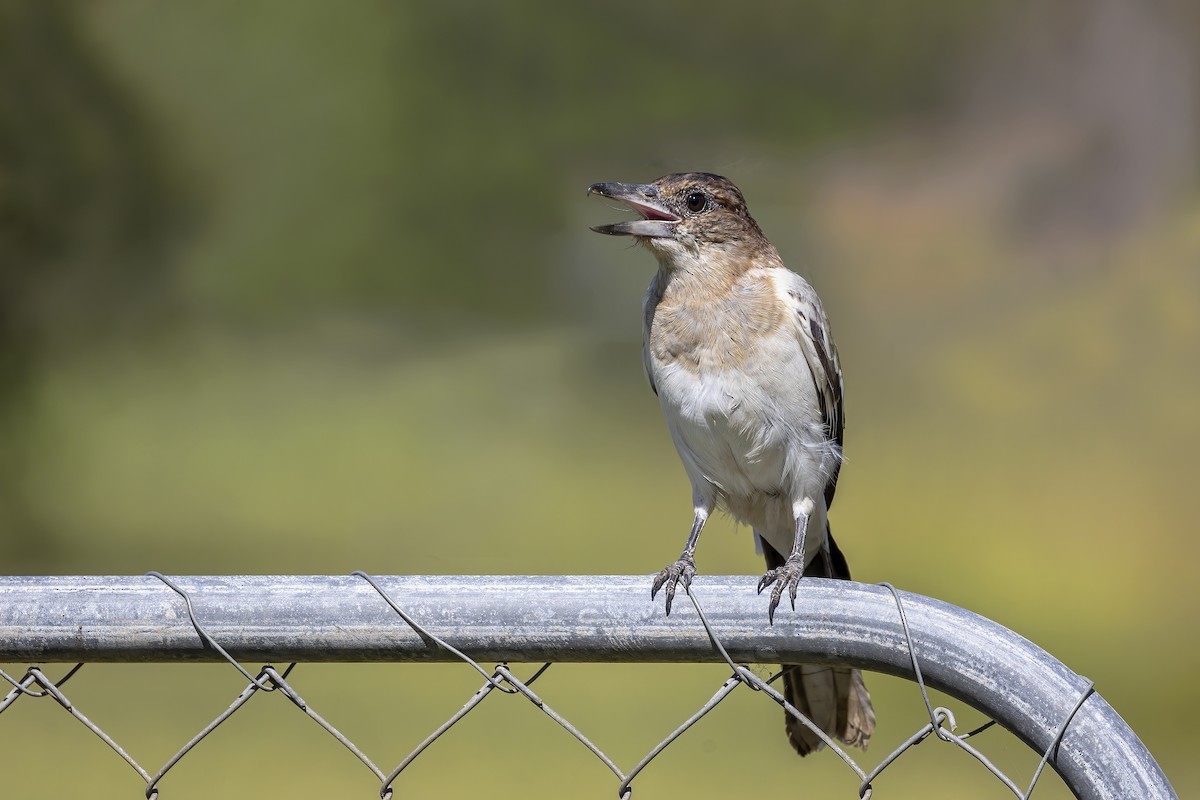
{"x":816,"y":341}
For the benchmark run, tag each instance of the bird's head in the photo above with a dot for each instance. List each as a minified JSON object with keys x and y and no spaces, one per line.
{"x":683,"y":215}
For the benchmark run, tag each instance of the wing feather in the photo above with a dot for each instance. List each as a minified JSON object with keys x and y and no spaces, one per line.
{"x":816,"y":342}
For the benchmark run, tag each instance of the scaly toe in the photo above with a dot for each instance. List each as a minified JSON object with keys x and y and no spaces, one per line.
{"x":766,"y":580}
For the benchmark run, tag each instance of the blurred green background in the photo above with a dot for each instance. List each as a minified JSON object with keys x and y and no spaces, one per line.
{"x":308,"y":287}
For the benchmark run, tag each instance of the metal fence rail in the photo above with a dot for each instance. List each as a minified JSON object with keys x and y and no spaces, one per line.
{"x":580,"y":619}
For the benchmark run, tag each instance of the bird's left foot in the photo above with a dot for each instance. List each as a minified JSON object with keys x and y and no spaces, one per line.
{"x":784,"y":577}
{"x":682,"y":571}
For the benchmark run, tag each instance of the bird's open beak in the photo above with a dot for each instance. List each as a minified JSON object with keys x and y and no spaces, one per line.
{"x":656,"y":221}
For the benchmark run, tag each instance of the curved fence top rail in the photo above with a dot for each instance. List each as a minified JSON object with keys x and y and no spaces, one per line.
{"x":584,"y":619}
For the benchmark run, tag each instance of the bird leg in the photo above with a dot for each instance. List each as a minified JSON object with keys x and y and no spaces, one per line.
{"x":683,"y":570}
{"x":788,"y":575}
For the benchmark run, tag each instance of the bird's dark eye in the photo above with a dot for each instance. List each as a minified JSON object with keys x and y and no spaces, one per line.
{"x":696,"y":201}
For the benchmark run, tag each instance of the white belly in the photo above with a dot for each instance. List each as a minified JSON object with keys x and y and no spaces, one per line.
{"x":754,"y":445}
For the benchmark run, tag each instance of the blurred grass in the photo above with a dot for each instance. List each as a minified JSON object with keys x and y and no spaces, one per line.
{"x":436,"y":462}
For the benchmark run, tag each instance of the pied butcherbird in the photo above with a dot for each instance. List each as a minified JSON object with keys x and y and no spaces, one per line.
{"x":738,"y":350}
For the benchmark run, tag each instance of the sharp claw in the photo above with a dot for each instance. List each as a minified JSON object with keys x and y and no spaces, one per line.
{"x":768,"y":579}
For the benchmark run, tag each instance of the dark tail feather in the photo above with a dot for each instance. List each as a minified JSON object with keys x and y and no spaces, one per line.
{"x":834,"y":698}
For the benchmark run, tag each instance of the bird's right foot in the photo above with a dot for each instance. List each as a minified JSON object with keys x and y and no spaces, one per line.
{"x":682,"y":571}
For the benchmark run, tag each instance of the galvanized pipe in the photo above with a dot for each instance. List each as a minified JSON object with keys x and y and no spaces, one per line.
{"x":589,"y":618}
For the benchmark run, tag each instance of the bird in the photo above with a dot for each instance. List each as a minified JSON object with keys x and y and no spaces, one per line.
{"x":738,"y":350}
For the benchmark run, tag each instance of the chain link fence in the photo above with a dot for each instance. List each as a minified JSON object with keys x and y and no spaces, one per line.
{"x":281,"y":619}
